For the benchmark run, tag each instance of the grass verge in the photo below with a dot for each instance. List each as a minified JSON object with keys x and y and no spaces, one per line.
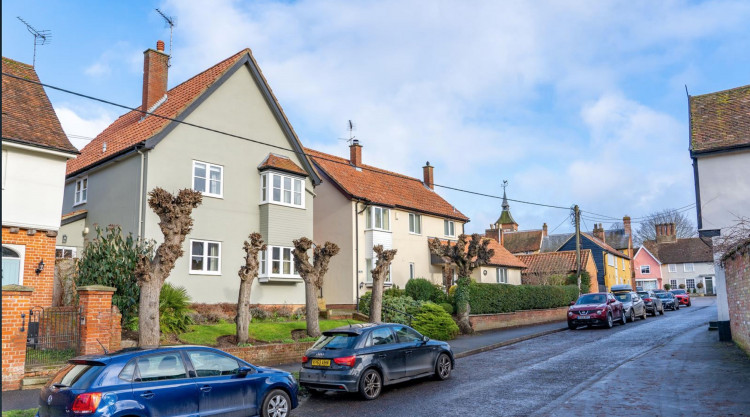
{"x":31,"y":412}
{"x":206,"y":334}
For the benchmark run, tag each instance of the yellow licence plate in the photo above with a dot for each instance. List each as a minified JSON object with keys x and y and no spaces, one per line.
{"x":321,"y":362}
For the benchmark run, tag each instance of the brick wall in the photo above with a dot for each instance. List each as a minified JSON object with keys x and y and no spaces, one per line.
{"x":271,"y":354}
{"x":39,"y":245}
{"x":481,"y":322}
{"x":97,"y":317}
{"x":737,"y":272}
{"x":15,"y":302}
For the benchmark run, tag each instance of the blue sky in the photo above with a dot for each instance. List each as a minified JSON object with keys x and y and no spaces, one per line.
{"x":572,"y":102}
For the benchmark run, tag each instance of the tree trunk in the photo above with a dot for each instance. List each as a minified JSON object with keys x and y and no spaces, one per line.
{"x":148,"y":313}
{"x":376,"y":301}
{"x":243,"y":311}
{"x":311,"y":309}
{"x":462,"y":304}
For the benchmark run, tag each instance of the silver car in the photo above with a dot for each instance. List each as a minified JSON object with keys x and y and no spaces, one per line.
{"x":632,"y":304}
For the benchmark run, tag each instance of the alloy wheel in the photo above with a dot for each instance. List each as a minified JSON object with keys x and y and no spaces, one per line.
{"x":277,"y":406}
{"x":444,"y":366}
{"x":609,"y":320}
{"x":372,"y":385}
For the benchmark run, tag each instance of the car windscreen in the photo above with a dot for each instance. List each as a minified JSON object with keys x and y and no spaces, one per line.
{"x":336,"y":341}
{"x":623,"y":297}
{"x":662,"y":295}
{"x":678,"y":291}
{"x":643,"y":294}
{"x":77,"y":375}
{"x":592,"y":299}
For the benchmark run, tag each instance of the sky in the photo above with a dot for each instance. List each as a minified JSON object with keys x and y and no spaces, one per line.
{"x":571,"y":102}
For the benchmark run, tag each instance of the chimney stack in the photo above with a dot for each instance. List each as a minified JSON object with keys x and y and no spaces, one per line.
{"x":355,"y":153}
{"x":666,"y":233}
{"x":155,"y":67}
{"x":599,"y":232}
{"x":492,"y":233}
{"x":544,"y":230}
{"x":429,"y":180}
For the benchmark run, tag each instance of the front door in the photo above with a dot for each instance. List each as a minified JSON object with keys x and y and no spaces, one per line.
{"x":710,"y":285}
{"x":223,"y":392}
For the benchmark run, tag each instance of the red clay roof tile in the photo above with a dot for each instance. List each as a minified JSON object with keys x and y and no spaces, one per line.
{"x":282,"y":163}
{"x":720,"y":120}
{"x":553,"y":262}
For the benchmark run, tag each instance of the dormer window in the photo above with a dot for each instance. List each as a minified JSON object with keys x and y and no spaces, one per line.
{"x":378,"y":218}
{"x":286,"y":190}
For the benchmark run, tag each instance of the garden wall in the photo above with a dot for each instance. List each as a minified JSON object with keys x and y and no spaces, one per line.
{"x":481,"y":322}
{"x":267,"y":355}
{"x":737,"y":270}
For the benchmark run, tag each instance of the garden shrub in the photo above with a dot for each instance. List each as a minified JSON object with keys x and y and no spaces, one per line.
{"x":213,"y":313}
{"x":403,"y":304}
{"x":452,"y":290}
{"x":506,"y":298}
{"x":174,"y":309}
{"x":394,"y":291}
{"x":681,"y":286}
{"x":420,"y":289}
{"x":585,"y":281}
{"x":667,"y":287}
{"x":433,"y":322}
{"x":448,"y":307}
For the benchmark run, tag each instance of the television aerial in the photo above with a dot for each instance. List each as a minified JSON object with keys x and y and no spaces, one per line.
{"x":41,"y":37}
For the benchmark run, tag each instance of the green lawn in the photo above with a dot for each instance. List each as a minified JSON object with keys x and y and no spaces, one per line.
{"x":31,"y":412}
{"x":206,"y":334}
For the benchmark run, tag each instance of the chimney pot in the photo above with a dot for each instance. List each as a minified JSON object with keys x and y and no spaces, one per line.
{"x":428,"y":173}
{"x":160,"y":45}
{"x":544,"y":229}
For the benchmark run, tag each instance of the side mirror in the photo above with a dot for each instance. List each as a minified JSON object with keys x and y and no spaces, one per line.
{"x":611,"y":301}
{"x":244,"y":370}
{"x":572,"y":303}
{"x":425,"y":339}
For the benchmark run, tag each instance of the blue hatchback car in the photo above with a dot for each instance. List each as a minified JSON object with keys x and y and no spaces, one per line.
{"x":167,"y":381}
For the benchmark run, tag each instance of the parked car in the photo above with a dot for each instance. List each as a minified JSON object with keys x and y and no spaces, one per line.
{"x":668,"y":300}
{"x":632,"y":304}
{"x":595,"y":309}
{"x":364,"y":357}
{"x":653,"y":303}
{"x":167,"y":381}
{"x":682,"y":296}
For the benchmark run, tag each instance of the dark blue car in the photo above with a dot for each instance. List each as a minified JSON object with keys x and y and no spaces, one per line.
{"x":167,"y":381}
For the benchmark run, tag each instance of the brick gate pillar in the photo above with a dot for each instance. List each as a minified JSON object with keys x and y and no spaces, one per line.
{"x":96,"y":318}
{"x":16,"y":301}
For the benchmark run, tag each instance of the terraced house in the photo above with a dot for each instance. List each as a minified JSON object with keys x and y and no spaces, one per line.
{"x":247,"y":186}
{"x":360,"y":206}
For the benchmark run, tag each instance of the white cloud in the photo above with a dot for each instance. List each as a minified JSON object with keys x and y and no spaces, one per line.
{"x":82,"y":125}
{"x":121,"y":55}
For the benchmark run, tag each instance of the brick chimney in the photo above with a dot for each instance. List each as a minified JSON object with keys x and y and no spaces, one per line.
{"x":599,"y":232}
{"x":665,"y":233}
{"x":155,"y":67}
{"x":429,"y":179}
{"x":355,"y":153}
{"x":492,"y":233}
{"x":544,"y":230}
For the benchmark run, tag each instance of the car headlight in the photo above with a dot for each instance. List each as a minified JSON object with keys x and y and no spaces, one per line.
{"x":570,"y":314}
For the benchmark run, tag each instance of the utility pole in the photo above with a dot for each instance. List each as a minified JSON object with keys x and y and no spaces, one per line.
{"x":577,"y":214}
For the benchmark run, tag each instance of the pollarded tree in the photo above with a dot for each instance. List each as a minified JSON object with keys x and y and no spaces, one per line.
{"x":467,"y":255}
{"x":379,"y":275}
{"x":313,"y":274}
{"x":247,"y":273}
{"x":176,"y":223}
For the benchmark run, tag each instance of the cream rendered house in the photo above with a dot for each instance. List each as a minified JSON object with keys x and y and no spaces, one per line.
{"x":247,"y":186}
{"x":359,"y":206}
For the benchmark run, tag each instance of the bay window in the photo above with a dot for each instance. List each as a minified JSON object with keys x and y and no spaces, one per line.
{"x":280,"y":260}
{"x":282,"y":189}
{"x":378,"y":218}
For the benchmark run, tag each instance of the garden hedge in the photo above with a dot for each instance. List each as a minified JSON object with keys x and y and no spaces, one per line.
{"x":506,"y":298}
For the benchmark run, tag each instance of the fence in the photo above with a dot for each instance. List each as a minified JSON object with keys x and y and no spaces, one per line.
{"x":53,"y":335}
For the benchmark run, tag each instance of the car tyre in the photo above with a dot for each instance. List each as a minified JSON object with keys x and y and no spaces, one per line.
{"x":370,"y":384}
{"x":276,"y":404}
{"x":623,"y":319}
{"x":655,"y":312}
{"x":631,"y":315}
{"x":443,"y":367}
{"x":690,"y":303}
{"x":661,"y":312}
{"x":610,"y":323}
{"x":645,"y":314}
{"x":677,"y":306}
{"x":572,"y":326}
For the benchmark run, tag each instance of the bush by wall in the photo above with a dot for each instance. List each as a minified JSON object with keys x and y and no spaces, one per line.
{"x":585,"y":281}
{"x":401,"y":304}
{"x":506,"y":298}
{"x":448,"y":307}
{"x":433,"y":322}
{"x":421,"y":289}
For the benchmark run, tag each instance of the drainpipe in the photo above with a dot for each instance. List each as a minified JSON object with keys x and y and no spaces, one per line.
{"x":141,"y":230}
{"x":356,"y":245}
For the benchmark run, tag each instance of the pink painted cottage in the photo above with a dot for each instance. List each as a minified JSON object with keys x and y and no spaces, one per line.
{"x":647,"y":270}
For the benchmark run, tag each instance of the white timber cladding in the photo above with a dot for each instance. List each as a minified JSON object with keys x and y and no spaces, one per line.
{"x":32,"y":201}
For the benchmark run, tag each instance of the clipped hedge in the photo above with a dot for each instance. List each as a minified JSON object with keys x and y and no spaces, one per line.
{"x":403,"y":304}
{"x":506,"y":298}
{"x":421,"y":289}
{"x":433,"y":322}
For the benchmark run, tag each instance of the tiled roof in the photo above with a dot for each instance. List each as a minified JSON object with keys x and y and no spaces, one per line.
{"x":554,"y":262}
{"x":523,"y":241}
{"x":28,"y":116}
{"x":131,"y":128}
{"x":501,"y":257}
{"x":73,"y":214}
{"x":282,"y":163}
{"x":552,"y":243}
{"x":383,"y":187}
{"x":686,"y":250}
{"x":720,"y":120}
{"x":605,"y":246}
{"x":617,"y":238}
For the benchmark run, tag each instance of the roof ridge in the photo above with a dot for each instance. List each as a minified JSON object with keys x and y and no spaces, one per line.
{"x":13,"y":61}
{"x":374,"y":168}
{"x":723,"y":91}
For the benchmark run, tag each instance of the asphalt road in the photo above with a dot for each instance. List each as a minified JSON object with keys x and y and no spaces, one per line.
{"x":664,"y":365}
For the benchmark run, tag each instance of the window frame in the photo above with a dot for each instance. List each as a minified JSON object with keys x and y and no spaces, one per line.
{"x":449,"y":226}
{"x":207,"y":352}
{"x":417,"y":223}
{"x":687,"y":283}
{"x":20,"y":250}
{"x":369,"y":266}
{"x":207,"y":179}
{"x":205,"y":257}
{"x":673,"y":284}
{"x":370,"y":218}
{"x":266,"y":192}
{"x":412,"y":270}
{"x":672,"y":268}
{"x":73,"y":251}
{"x":266,"y":261}
{"x":648,"y":270}
{"x":611,"y":260}
{"x":81,"y":196}
{"x":138,"y":378}
{"x":501,"y":275}
{"x":685,"y":267}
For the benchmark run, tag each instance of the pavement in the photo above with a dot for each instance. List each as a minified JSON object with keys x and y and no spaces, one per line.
{"x":462,"y":346}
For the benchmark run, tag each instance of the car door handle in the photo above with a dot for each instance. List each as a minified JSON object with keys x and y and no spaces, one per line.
{"x":206,"y":388}
{"x":382,"y":355}
{"x":147,"y":395}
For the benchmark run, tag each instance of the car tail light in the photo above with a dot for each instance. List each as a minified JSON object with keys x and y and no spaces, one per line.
{"x":304,"y":359}
{"x":346,"y":361}
{"x":86,"y":403}
{"x":648,"y":300}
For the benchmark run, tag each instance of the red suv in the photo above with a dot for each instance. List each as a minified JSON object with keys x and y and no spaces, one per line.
{"x":599,"y":308}
{"x":682,"y":296}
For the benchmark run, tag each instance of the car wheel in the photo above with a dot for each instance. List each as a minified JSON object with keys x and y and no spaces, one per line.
{"x":572,"y":326}
{"x":443,"y":367}
{"x":370,"y":384}
{"x":689,"y":303}
{"x":645,"y":314}
{"x":276,"y":404}
{"x":654,"y":313}
{"x":661,"y":312}
{"x":623,"y":319}
{"x":610,"y":323}
{"x":677,"y":306}
{"x":631,"y":315}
